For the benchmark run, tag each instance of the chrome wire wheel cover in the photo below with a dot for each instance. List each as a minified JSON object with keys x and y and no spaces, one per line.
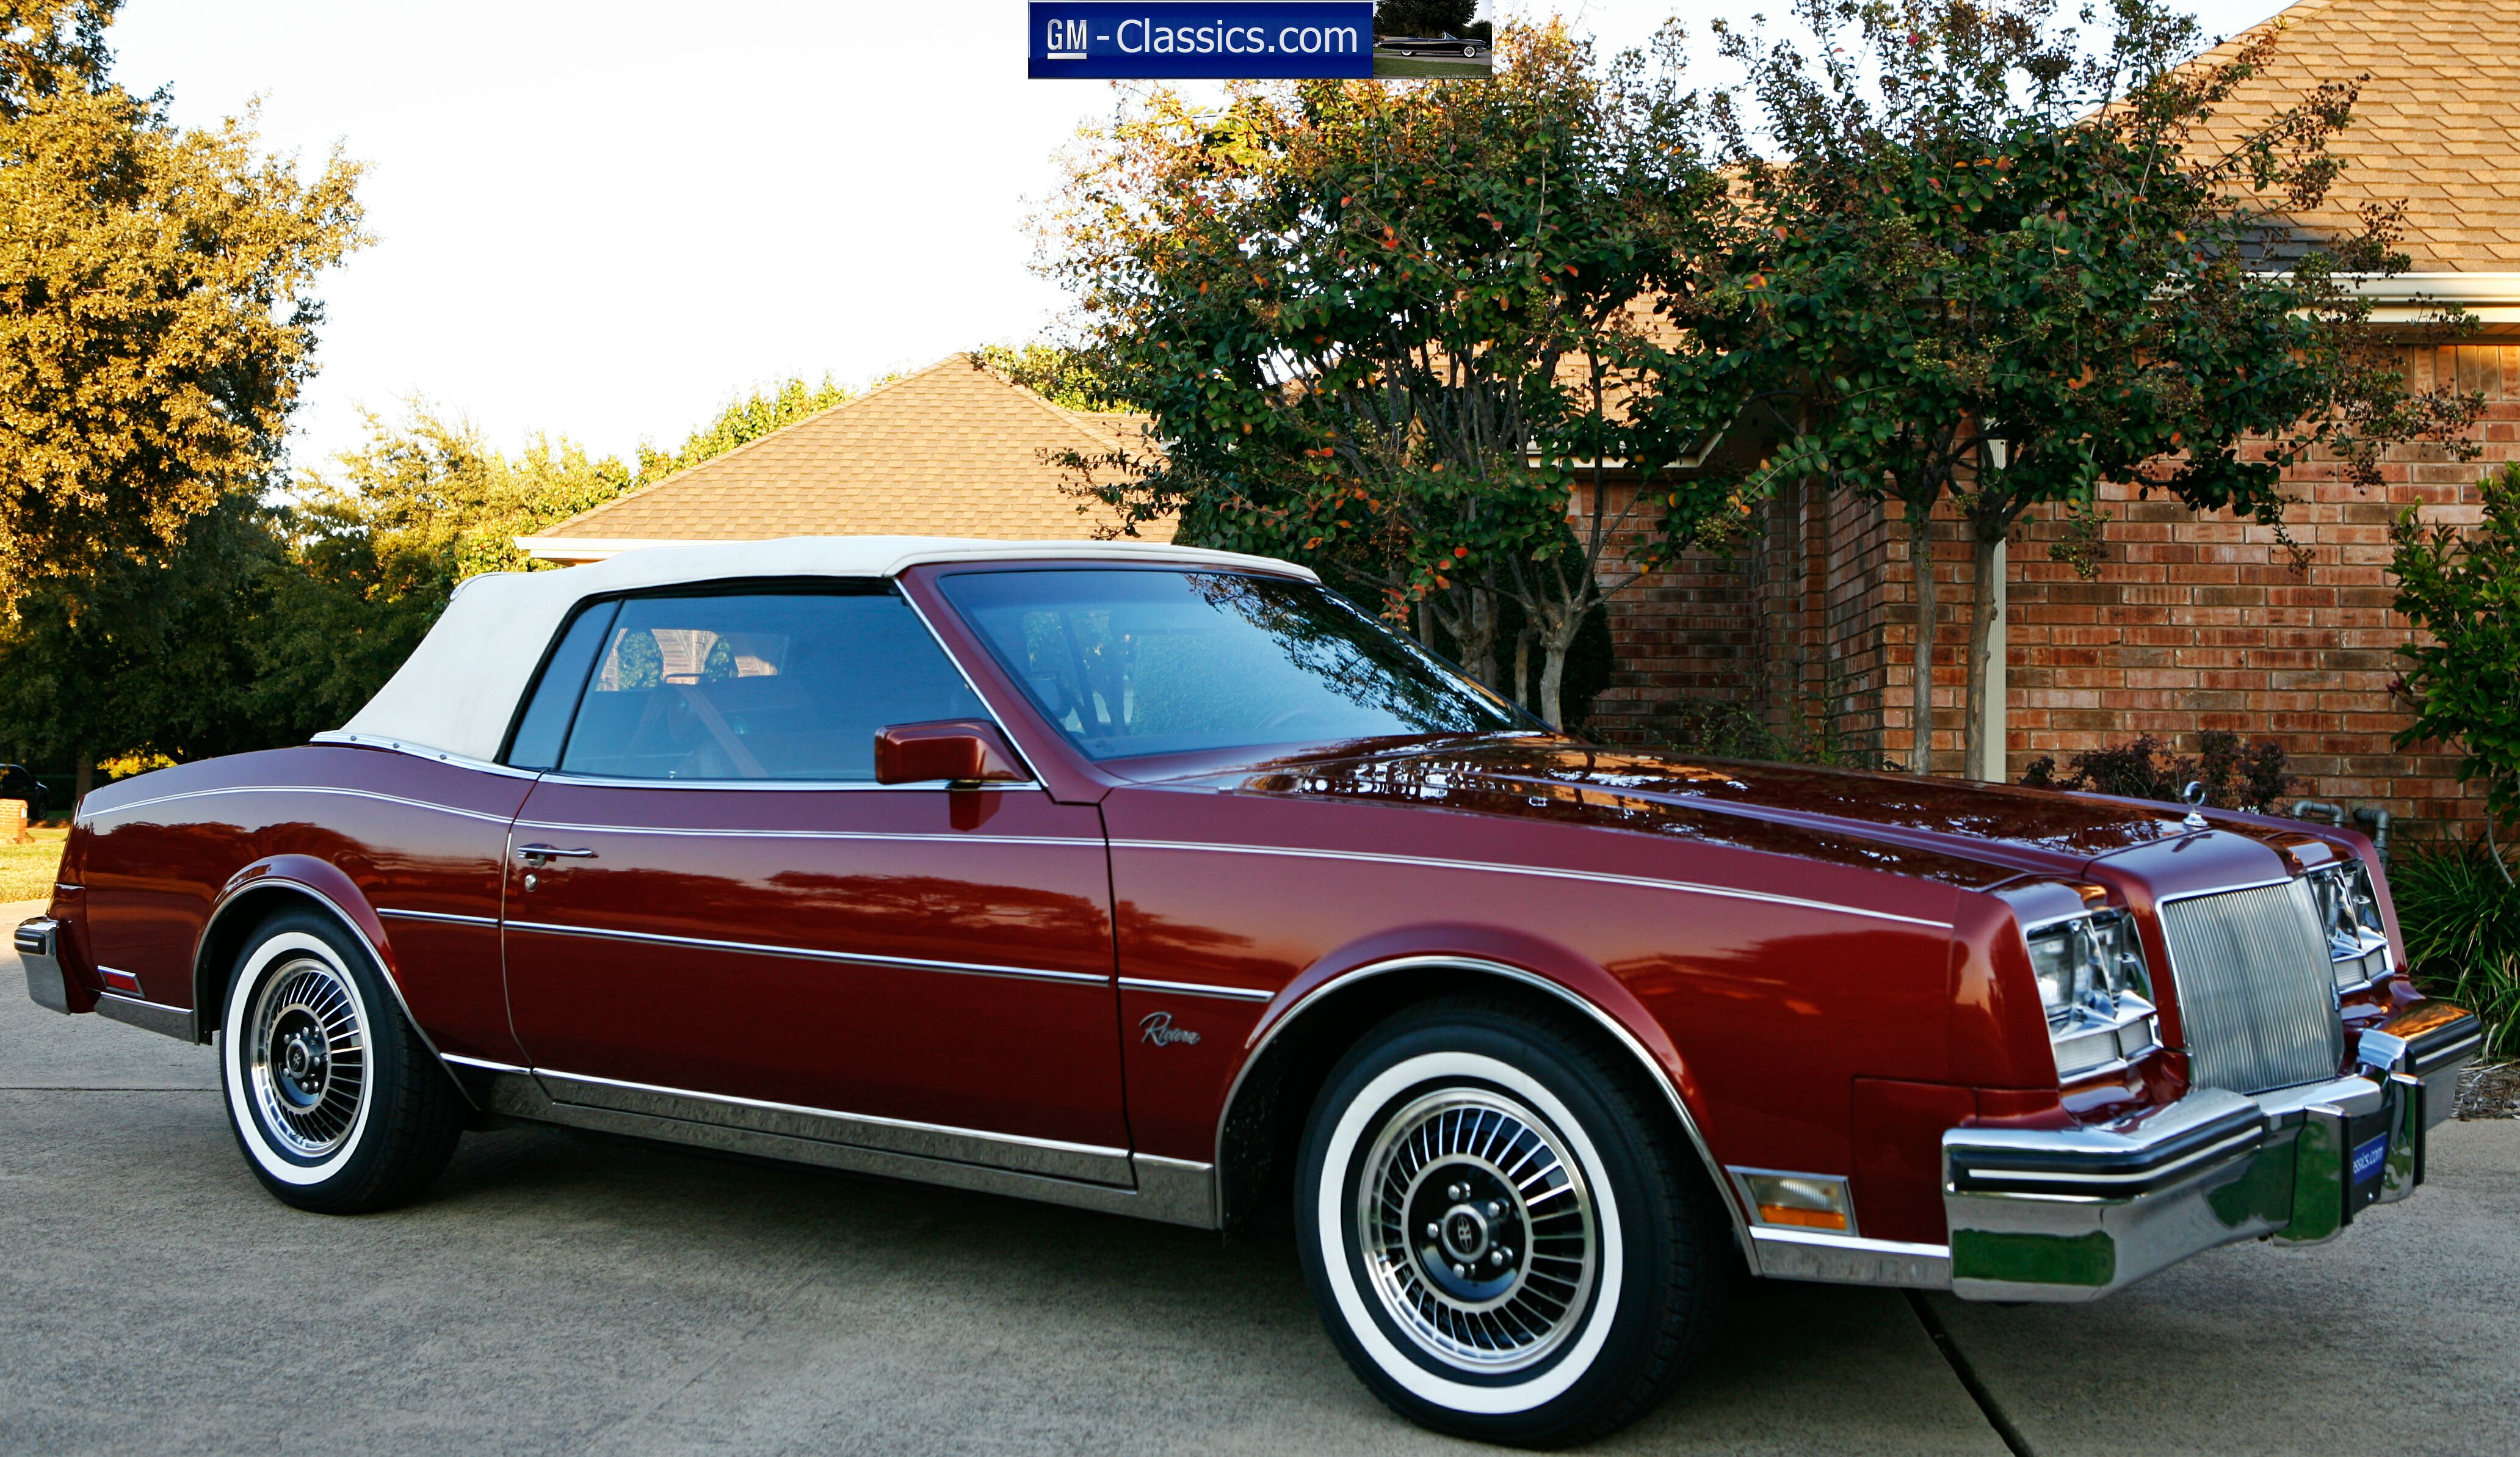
{"x":1477,"y":1231}
{"x":307,"y":1058}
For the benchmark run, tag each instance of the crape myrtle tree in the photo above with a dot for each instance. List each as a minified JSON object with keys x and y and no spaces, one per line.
{"x":2003,"y":259}
{"x":1394,"y":331}
{"x":157,"y":317}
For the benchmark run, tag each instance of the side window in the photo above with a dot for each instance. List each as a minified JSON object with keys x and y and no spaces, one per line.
{"x":758,"y":686}
{"x":545,"y":724}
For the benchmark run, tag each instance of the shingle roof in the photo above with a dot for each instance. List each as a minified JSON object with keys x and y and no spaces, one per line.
{"x":952,"y":450}
{"x":2437,"y":123}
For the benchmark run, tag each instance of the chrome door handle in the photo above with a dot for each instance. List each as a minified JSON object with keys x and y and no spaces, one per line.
{"x":540,"y":855}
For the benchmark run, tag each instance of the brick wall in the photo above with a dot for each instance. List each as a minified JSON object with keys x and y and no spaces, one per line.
{"x":2193,"y":624}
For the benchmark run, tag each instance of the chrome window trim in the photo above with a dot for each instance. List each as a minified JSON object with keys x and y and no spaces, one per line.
{"x":890,"y":587}
{"x":814,"y":785}
{"x":811,"y":953}
{"x":1200,"y":989}
{"x":89,"y":817}
{"x":1540,"y":871}
{"x":1627,"y":1039}
{"x":422,"y":751}
{"x":558,"y":827}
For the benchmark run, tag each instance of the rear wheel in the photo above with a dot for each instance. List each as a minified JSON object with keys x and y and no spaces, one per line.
{"x":1495,"y":1233}
{"x":335,"y":1100}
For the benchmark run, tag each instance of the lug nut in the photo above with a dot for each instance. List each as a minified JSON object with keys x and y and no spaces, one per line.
{"x":1434,"y":1230}
{"x":1496,"y":1256}
{"x":1456,"y":1192}
{"x":1459,"y":1273}
{"x":1495,"y":1208}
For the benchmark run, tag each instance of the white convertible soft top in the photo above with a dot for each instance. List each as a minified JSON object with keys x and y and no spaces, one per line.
{"x":459,"y":690}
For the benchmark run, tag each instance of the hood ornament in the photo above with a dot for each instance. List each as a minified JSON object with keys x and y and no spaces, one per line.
{"x":2192,"y":796}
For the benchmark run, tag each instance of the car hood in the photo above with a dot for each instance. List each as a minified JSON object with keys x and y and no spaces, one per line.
{"x":1963,"y":832}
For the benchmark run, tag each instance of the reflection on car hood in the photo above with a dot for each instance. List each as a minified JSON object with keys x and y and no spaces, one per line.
{"x":1955,"y":830}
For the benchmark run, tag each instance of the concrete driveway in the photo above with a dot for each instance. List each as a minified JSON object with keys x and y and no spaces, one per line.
{"x":557,"y":1293}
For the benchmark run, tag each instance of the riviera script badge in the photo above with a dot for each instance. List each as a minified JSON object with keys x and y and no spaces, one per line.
{"x":1159,"y":1029}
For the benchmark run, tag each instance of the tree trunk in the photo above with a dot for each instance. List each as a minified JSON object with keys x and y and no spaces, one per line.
{"x":1981,"y":759}
{"x":1921,"y":561}
{"x":1474,"y":630}
{"x":86,"y":781}
{"x":1523,"y":686}
{"x":1559,"y":630}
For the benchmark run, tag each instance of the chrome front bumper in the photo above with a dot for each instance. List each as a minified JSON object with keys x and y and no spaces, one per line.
{"x":38,"y":945}
{"x":2072,"y":1214}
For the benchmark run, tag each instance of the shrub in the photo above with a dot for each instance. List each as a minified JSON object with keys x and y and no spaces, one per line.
{"x":2235,"y":775}
{"x":2462,"y":677}
{"x":1729,"y":730}
{"x":2461,"y":920}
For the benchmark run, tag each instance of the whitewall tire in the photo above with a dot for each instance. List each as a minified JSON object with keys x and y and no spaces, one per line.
{"x":336,"y":1104}
{"x":1498,"y":1235}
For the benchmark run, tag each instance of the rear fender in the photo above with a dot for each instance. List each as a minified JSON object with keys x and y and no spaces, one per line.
{"x":269,"y":884}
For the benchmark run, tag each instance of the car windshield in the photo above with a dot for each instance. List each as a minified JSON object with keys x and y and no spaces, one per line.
{"x":1130,"y":661}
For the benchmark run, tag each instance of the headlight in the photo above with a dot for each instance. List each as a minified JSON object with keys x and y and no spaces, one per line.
{"x":2095,"y":989}
{"x":2349,"y":913}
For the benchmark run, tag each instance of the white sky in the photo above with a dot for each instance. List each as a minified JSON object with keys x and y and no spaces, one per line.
{"x":607,"y":219}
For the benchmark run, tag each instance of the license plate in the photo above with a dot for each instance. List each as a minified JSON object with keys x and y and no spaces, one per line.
{"x":2368,"y":1156}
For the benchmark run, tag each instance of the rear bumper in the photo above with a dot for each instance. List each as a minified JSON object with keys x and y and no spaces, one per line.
{"x":38,"y":945}
{"x":2072,"y":1214}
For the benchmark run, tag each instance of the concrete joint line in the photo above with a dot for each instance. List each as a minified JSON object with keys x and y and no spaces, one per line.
{"x":2009,"y":1434}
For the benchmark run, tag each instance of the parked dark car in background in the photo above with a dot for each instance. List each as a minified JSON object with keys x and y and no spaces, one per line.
{"x":1167,"y":883}
{"x":17,"y":782}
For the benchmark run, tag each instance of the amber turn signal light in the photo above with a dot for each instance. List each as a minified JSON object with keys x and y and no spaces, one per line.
{"x":1798,"y":1200}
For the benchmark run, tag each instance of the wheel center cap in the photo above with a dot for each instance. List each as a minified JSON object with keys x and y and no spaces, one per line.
{"x":1465,"y":1233}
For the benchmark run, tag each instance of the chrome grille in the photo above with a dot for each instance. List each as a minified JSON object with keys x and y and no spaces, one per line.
{"x":2256,"y":996}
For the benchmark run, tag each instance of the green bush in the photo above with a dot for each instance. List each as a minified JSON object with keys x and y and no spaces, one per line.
{"x":2461,"y":920}
{"x":2462,"y":588}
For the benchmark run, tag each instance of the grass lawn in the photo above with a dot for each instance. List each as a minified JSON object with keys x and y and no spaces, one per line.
{"x":26,"y":870}
{"x":1389,"y":67}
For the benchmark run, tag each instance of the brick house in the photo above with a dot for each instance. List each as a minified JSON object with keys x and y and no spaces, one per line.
{"x":2193,"y":623}
{"x":953,"y":449}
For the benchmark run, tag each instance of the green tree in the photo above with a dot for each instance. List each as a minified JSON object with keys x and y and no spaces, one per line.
{"x":156,"y":318}
{"x":1993,"y":261}
{"x":1391,"y":331}
{"x":148,"y":658}
{"x":743,"y":421}
{"x":378,"y":543}
{"x":1068,"y":376}
{"x":2462,"y":589}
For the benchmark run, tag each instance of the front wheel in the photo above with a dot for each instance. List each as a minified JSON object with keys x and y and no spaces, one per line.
{"x":1496,"y":1233}
{"x":337,"y":1104}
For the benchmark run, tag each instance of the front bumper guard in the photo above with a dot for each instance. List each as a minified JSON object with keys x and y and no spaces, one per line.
{"x":2072,"y":1214}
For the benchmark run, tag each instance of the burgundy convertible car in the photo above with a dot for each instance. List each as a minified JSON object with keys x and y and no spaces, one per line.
{"x":1166,"y":882}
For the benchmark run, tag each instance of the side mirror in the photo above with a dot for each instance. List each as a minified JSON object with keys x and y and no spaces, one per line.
{"x":965,"y":751}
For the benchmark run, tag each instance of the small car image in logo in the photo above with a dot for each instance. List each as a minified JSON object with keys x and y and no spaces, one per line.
{"x":1159,"y":1029}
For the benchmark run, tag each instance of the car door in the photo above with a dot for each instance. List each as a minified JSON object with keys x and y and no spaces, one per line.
{"x":715,"y":913}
